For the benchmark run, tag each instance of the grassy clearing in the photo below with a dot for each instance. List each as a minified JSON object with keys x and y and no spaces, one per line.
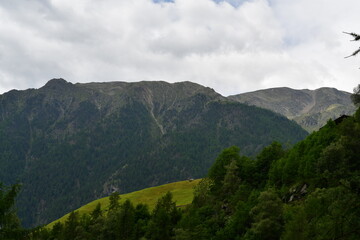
{"x":183,"y":193}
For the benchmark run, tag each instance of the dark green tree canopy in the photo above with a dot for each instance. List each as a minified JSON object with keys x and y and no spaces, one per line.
{"x":9,"y":222}
{"x":308,"y":192}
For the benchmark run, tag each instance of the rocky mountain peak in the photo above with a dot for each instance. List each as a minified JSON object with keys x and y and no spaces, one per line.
{"x":57,"y":83}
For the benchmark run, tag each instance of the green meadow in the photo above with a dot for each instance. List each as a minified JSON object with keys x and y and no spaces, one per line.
{"x":183,"y":193}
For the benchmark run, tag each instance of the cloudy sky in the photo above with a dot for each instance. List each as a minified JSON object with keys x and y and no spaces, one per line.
{"x":233,"y":46}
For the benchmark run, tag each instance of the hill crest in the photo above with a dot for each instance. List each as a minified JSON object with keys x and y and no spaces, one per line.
{"x":309,"y":108}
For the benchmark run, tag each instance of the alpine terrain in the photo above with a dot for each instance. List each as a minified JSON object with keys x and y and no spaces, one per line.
{"x":68,"y":144}
{"x":309,"y":108}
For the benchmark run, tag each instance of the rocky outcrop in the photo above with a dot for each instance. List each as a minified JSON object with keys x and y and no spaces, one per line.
{"x":297,"y":192}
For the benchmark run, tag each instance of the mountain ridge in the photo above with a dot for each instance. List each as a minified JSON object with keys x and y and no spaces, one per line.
{"x":72,"y":143}
{"x":309,"y":108}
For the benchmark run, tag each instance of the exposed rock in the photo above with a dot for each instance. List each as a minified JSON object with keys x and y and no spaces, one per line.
{"x":309,"y":108}
{"x":303,"y":190}
{"x":297,"y":192}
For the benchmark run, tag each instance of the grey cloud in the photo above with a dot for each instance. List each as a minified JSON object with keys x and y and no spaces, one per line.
{"x":232,"y":46}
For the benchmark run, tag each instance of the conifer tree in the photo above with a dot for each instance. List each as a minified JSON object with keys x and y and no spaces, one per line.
{"x":114,"y":201}
{"x":71,"y":224}
{"x":163,"y":219}
{"x":96,"y":213}
{"x":126,"y":215}
{"x":267,"y":217}
{"x":9,"y":222}
{"x":218,"y":170}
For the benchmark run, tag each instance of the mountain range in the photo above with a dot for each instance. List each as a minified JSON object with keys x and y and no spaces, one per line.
{"x":311,"y":109}
{"x":306,"y":191}
{"x":69,"y":144}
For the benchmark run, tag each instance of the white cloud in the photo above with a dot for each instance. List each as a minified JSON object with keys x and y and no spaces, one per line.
{"x":232,"y":46}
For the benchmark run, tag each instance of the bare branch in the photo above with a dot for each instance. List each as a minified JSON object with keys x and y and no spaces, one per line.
{"x":354,"y":53}
{"x":355,"y":35}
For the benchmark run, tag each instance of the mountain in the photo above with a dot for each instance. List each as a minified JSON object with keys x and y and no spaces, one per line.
{"x":69,"y":143}
{"x":309,"y":108}
{"x":310,"y":191}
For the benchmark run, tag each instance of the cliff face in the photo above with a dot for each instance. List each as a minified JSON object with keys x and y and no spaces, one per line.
{"x":309,"y":108}
{"x":72,"y":143}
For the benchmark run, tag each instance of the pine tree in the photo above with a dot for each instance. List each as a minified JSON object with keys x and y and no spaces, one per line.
{"x":9,"y":222}
{"x":126,"y":228}
{"x":114,"y":201}
{"x":71,"y":224}
{"x":267,"y":217}
{"x":142,"y":217}
{"x":96,"y":213}
{"x":163,"y":219}
{"x":218,"y":170}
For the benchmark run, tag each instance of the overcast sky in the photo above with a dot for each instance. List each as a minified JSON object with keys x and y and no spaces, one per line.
{"x":233,"y":46}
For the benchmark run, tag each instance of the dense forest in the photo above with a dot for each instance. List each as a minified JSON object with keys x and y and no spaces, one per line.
{"x":69,"y":144}
{"x":308,"y":192}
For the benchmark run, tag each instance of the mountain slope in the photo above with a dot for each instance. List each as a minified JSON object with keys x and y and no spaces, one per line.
{"x":182,"y":192}
{"x":309,"y":108}
{"x":72,"y":143}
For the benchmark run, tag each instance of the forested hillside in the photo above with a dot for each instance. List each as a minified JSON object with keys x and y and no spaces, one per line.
{"x":68,"y":144}
{"x":311,"y":191}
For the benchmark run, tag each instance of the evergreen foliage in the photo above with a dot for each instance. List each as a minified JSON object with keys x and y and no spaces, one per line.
{"x":311,"y":191}
{"x":308,"y":192}
{"x":163,"y":219}
{"x":69,"y":144}
{"x":10,"y":227}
